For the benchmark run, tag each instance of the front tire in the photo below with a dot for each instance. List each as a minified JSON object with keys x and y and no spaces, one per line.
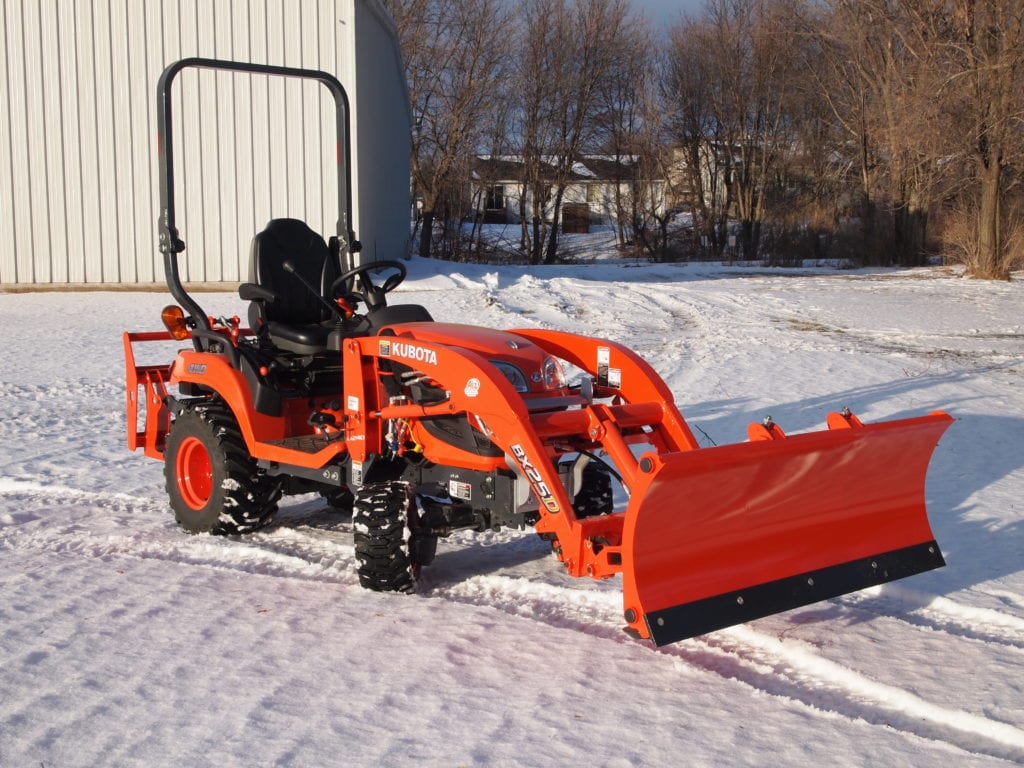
{"x":595,"y":497}
{"x":212,"y":481}
{"x":381,"y":519}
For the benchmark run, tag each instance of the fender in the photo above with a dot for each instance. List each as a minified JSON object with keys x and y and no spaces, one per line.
{"x":214,"y":372}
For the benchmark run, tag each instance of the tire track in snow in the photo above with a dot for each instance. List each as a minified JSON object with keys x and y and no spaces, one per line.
{"x":854,"y":694}
{"x":30,"y":497}
{"x":320,"y":545}
{"x":590,"y":611}
{"x":943,"y":614}
{"x":40,"y":523}
{"x":35,"y":501}
{"x":786,"y":668}
{"x":1007,"y":597}
{"x":833,"y":686}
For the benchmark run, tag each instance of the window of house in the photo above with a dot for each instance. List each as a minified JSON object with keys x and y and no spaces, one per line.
{"x":496,"y":197}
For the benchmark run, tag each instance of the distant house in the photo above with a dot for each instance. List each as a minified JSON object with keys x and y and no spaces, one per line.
{"x":717,"y":163}
{"x":497,"y":189}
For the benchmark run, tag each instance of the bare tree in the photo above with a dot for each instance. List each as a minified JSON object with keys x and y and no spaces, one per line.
{"x":629,"y":130}
{"x":979,"y":46}
{"x":455,"y":55}
{"x":753,"y":76}
{"x":569,"y":48}
{"x":929,"y":91}
{"x":882,"y":93}
{"x":698,"y":131}
{"x":541,"y":47}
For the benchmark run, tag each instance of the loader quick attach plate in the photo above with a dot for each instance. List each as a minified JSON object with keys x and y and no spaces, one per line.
{"x":720,"y":536}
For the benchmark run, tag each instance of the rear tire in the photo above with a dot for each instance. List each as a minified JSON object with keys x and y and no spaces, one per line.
{"x":212,"y":481}
{"x":381,"y":522}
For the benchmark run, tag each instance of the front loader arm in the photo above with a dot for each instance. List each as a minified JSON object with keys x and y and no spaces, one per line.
{"x":475,"y":388}
{"x":617,"y":370}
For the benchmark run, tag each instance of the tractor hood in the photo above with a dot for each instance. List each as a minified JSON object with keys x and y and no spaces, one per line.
{"x":534,"y":363}
{"x":487,"y":342}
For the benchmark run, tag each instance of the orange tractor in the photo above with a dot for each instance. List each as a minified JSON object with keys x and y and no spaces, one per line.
{"x":422,"y":428}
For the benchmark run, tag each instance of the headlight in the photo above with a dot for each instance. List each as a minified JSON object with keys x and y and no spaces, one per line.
{"x":554,"y":376}
{"x":513,"y":374}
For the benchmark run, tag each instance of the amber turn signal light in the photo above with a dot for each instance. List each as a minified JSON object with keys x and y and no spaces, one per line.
{"x":174,"y":321}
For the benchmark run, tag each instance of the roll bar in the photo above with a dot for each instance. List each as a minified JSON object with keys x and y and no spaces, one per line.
{"x":170,"y":244}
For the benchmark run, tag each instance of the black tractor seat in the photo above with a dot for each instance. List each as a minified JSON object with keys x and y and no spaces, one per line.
{"x":286,"y":313}
{"x":293,"y":319}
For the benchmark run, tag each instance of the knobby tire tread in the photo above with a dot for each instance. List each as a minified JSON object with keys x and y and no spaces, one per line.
{"x":380,"y":520}
{"x":595,"y":497}
{"x":250,"y":497}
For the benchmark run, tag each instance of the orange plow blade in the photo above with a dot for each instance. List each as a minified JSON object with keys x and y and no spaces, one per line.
{"x":721,"y":536}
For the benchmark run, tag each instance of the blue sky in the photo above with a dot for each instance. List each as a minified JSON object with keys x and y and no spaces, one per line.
{"x":666,"y":12}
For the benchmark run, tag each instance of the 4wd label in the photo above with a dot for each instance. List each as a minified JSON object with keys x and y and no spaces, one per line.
{"x":533,"y":475}
{"x":391,"y":348}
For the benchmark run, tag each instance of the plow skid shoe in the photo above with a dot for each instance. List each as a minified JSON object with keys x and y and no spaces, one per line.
{"x":720,"y":536}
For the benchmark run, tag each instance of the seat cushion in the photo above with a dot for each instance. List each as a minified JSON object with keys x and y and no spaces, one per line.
{"x":297,"y":321}
{"x":306,"y":339}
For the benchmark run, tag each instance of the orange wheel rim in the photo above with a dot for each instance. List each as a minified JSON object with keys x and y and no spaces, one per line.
{"x":194,"y":472}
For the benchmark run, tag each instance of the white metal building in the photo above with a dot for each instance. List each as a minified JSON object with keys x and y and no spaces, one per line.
{"x":78,"y":165}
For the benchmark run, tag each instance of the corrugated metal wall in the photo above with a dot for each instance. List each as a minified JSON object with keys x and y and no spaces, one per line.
{"x":78,"y":173}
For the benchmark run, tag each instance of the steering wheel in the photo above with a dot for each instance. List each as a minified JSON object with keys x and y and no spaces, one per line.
{"x":371,"y":295}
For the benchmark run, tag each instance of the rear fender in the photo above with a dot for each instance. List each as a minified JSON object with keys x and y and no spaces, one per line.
{"x":207,"y":369}
{"x":214,"y":372}
{"x":147,"y":389}
{"x":261,"y":432}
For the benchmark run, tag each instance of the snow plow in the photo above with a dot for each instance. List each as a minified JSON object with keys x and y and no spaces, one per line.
{"x":422,"y":428}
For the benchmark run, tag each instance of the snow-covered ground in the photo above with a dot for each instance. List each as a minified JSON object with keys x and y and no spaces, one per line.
{"x":125,"y":642}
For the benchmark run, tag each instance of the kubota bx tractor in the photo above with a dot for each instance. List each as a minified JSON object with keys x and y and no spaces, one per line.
{"x":424,"y":427}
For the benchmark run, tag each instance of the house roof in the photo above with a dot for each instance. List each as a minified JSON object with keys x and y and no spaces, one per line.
{"x":496,"y":168}
{"x":593,"y":168}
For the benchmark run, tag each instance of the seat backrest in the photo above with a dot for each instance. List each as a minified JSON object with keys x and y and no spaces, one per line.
{"x":291,"y":240}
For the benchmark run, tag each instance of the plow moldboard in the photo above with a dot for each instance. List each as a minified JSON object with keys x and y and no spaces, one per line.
{"x":724,"y":535}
